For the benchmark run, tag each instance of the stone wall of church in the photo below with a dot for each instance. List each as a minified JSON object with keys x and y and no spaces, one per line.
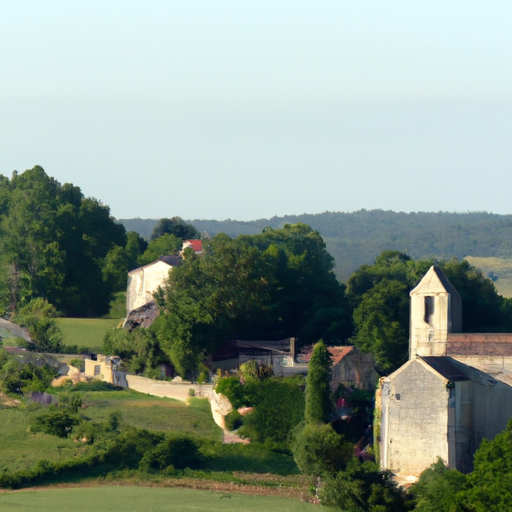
{"x":414,"y":419}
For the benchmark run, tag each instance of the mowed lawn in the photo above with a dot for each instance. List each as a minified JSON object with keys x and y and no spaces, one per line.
{"x":85,"y":332}
{"x":144,"y":499}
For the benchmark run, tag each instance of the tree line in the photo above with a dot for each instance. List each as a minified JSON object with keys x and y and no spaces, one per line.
{"x":58,"y":245}
{"x":357,"y":238}
{"x":62,"y":247}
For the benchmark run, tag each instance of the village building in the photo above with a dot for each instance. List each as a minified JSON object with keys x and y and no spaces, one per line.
{"x":455,"y":390}
{"x":144,"y":281}
{"x":352,"y":368}
{"x":279,"y":354}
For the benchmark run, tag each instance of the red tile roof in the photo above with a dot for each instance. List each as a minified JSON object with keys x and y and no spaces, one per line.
{"x":338,"y":353}
{"x":197,"y":245}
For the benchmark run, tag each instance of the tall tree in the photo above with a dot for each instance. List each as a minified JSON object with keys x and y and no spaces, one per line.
{"x":54,"y":243}
{"x":161,"y":246}
{"x":269,"y":286}
{"x":175,"y":226}
{"x":319,"y":402}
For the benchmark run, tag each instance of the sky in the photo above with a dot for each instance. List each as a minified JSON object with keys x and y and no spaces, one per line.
{"x":246,"y":110}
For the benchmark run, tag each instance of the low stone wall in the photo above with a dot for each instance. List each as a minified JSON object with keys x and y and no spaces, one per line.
{"x":163,"y":388}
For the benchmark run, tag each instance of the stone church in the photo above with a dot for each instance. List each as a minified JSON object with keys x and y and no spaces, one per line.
{"x":455,"y":390}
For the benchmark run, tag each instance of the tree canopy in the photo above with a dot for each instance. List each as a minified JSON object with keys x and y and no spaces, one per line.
{"x":54,"y":244}
{"x":175,"y":226}
{"x":379,"y":294}
{"x":273,"y":285}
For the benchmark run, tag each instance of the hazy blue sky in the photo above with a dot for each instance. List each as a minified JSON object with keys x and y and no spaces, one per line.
{"x":237,"y":109}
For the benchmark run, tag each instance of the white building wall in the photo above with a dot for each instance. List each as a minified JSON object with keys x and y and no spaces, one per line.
{"x":143,"y":282}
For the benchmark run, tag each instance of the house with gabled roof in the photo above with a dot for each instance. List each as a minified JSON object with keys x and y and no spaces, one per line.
{"x":352,"y":368}
{"x":144,"y":281}
{"x":455,"y":390}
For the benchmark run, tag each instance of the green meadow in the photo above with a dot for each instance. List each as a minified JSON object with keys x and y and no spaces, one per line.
{"x":85,"y":332}
{"x":144,"y":499}
{"x":20,"y":448}
{"x":499,"y":269}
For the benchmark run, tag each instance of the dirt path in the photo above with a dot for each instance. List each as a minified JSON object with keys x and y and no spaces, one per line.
{"x":285,"y":487}
{"x":231,"y":438}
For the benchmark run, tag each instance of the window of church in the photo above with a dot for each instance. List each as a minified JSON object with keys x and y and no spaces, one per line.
{"x":429,"y":310}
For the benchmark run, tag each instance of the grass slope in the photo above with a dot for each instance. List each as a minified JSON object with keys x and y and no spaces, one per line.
{"x":148,"y":499}
{"x":499,"y":269}
{"x":19,"y":448}
{"x":153,"y":413}
{"x":85,"y":332}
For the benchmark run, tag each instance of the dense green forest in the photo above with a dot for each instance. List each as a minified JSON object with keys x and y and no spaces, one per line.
{"x":57,"y":244}
{"x":358,"y":237}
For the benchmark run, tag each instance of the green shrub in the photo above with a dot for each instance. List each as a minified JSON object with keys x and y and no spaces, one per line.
{"x":363,"y":488}
{"x":191,"y":392}
{"x":139,"y":349}
{"x":78,"y":363}
{"x":278,"y":408}
{"x":177,"y":450}
{"x":233,"y":420}
{"x":117,"y":306}
{"x":318,"y":450}
{"x":233,"y":389}
{"x":96,"y":385}
{"x":57,"y":421}
{"x":38,"y":316}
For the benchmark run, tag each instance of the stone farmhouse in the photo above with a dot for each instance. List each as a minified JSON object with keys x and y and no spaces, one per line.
{"x":455,"y":390}
{"x":352,"y":368}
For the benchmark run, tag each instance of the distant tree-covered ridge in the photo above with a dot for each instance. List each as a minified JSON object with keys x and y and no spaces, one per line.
{"x":359,"y":237}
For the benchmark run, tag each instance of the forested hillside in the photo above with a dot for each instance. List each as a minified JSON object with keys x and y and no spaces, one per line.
{"x":358,"y":237}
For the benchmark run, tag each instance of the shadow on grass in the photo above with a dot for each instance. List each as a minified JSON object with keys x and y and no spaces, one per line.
{"x":251,"y":458}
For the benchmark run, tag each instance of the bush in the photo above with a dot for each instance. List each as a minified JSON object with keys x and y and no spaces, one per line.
{"x":191,"y":392}
{"x":96,"y":385}
{"x":363,"y":488}
{"x":319,"y":451}
{"x":278,"y":408}
{"x":38,"y":316}
{"x":233,"y":389}
{"x":55,"y":421}
{"x":233,"y":420}
{"x":139,"y":349}
{"x":78,"y":363}
{"x":177,"y":450}
{"x":117,"y":306}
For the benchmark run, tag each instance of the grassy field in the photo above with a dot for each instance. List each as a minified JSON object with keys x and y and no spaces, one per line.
{"x":19,"y":448}
{"x":147,"y":499}
{"x":85,"y":332}
{"x":500,"y":268}
{"x":153,"y":413}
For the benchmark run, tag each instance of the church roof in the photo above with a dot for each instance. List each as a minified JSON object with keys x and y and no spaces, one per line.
{"x":434,"y":281}
{"x":446,"y":368}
